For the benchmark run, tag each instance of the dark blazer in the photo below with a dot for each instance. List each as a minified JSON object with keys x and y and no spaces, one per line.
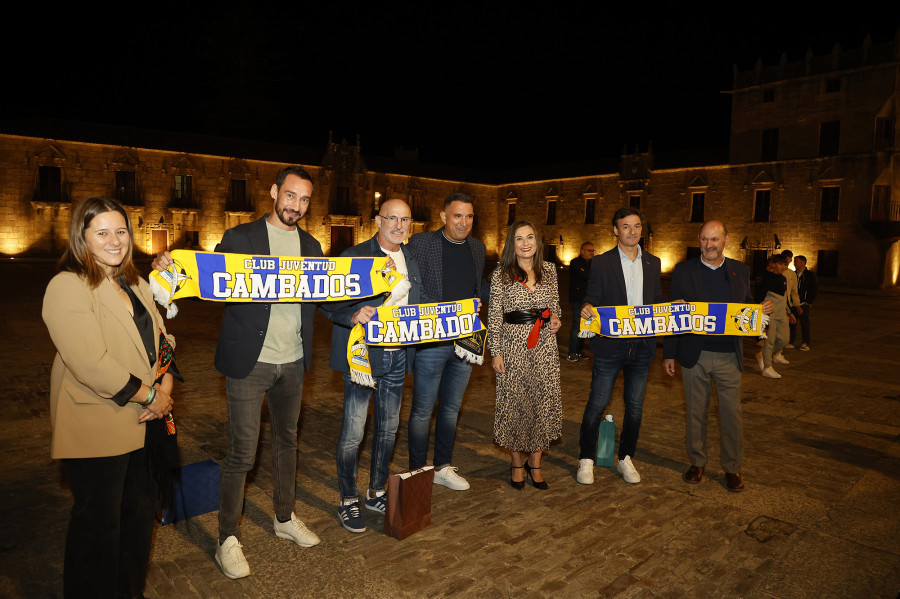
{"x":579,"y":272}
{"x":807,"y":286}
{"x":428,"y":251}
{"x":244,"y":325}
{"x":340,"y":313}
{"x":687,"y":285}
{"x":606,"y":287}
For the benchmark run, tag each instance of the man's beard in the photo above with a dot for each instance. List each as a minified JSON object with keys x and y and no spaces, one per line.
{"x":283,"y":216}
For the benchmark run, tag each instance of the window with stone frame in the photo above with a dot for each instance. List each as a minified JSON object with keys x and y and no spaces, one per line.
{"x":183,"y":190}
{"x":829,"y":203}
{"x":884,"y":134}
{"x":551,"y":211}
{"x":634,"y":202}
{"x":762,"y":204}
{"x":698,"y":200}
{"x":590,"y":210}
{"x":882,"y":208}
{"x":50,"y":184}
{"x":238,"y":197}
{"x":126,"y":188}
{"x":510,"y":213}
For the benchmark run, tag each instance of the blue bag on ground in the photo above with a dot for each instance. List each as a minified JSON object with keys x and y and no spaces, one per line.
{"x":196,"y":492}
{"x":606,"y":442}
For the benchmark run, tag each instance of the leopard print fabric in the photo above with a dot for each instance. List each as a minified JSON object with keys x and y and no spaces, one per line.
{"x":528,"y":409}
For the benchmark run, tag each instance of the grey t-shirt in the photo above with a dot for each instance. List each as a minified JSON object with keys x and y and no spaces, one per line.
{"x":283,"y":343}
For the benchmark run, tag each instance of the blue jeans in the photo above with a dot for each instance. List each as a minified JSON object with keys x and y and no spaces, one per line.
{"x":388,"y":393}
{"x":633,"y":357}
{"x":282,"y":384}
{"x":439,"y":377}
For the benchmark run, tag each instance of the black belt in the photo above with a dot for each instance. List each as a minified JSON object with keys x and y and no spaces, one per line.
{"x":521,"y":316}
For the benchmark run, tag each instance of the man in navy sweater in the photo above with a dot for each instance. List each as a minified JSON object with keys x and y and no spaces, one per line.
{"x":706,"y":358}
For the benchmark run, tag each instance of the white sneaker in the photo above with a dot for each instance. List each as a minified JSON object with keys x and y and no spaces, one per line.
{"x":760,"y":361}
{"x":770,"y":373}
{"x":296,"y":531}
{"x":230,"y":558}
{"x":585,"y":474}
{"x":448,"y":477}
{"x":779,"y":359}
{"x":627,"y":470}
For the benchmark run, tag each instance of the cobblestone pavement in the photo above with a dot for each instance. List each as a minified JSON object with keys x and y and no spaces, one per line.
{"x":820,"y":517}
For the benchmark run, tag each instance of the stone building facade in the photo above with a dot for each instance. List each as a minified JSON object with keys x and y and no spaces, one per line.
{"x":812,"y":168}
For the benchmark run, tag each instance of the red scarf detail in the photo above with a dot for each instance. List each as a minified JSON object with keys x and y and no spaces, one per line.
{"x":535,"y":332}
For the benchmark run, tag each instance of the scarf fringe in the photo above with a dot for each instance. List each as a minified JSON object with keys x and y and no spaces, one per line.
{"x":764,"y":326}
{"x":363,"y":379}
{"x":399,"y":290}
{"x":161,"y":295}
{"x":468,"y":356}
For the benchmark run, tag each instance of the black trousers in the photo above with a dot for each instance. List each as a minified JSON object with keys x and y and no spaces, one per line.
{"x":111,"y":525}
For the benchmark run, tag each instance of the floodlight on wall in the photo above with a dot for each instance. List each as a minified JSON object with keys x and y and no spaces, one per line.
{"x":744,"y":243}
{"x":140,"y":222}
{"x":777,"y":242}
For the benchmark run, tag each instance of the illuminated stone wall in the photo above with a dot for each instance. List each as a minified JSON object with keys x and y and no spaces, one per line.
{"x":31,"y":225}
{"x":857,"y":89}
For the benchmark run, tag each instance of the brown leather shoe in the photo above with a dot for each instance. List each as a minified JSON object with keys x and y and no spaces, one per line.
{"x":693,"y":475}
{"x":734,"y":482}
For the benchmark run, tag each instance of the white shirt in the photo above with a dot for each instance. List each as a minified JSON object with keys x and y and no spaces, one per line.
{"x":634,"y":277}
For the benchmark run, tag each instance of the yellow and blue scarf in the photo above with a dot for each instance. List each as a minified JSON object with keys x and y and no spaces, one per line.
{"x":675,"y":318}
{"x":399,"y":326}
{"x":248,"y":278}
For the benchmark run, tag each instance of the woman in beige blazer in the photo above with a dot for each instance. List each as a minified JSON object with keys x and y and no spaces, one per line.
{"x":105,"y":396}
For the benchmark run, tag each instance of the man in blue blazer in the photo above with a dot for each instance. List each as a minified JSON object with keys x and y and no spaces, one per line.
{"x":263,"y":350}
{"x":389,"y":367}
{"x":706,"y":358}
{"x":625,"y":275}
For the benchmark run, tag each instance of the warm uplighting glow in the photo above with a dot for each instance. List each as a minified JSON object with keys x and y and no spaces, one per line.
{"x":11,"y":243}
{"x":667,"y":261}
{"x":893,"y":259}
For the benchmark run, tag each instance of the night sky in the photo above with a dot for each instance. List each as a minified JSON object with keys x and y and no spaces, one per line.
{"x":488,"y":85}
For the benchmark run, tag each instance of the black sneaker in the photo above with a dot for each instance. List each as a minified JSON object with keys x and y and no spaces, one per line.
{"x":572,"y":358}
{"x":351,"y":519}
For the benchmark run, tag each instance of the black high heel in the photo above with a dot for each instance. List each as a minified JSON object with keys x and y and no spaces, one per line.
{"x":542,"y":485}
{"x":516,"y":484}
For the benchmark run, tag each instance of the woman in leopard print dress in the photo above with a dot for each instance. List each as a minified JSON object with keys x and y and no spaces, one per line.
{"x":523,"y":319}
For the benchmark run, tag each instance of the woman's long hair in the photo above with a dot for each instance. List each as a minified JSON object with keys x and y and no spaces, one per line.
{"x":78,"y":259}
{"x":509,"y":264}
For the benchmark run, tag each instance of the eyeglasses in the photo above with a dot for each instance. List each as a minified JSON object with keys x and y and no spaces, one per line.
{"x":393,"y":219}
